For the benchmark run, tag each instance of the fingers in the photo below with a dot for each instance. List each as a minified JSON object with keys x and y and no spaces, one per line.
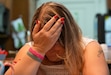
{"x":50,"y":23}
{"x":52,"y":26}
{"x":57,"y":33}
{"x":57,"y":26}
{"x":36,"y":27}
{"x":48,"y":35}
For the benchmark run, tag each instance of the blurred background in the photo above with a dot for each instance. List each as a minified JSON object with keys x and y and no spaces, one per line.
{"x":93,"y":17}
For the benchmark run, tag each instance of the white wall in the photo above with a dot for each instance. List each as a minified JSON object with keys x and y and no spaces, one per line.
{"x":84,"y":12}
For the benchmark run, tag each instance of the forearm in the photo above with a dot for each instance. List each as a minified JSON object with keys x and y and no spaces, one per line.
{"x":26,"y":66}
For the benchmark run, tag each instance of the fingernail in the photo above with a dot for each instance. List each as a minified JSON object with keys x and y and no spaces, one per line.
{"x":62,"y":19}
{"x":56,"y":16}
{"x":15,"y":61}
{"x":62,"y":22}
{"x":36,"y":21}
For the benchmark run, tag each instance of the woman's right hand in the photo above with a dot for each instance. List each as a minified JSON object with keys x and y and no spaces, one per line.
{"x":48,"y":35}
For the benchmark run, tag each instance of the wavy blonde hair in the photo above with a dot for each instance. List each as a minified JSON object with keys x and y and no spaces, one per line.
{"x":71,"y":36}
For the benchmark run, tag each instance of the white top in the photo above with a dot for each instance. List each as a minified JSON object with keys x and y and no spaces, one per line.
{"x":60,"y":69}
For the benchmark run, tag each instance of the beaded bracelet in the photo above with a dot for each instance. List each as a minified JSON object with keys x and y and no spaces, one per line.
{"x":35,"y":55}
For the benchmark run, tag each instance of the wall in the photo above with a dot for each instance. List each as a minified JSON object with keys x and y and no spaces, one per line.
{"x":84,"y":12}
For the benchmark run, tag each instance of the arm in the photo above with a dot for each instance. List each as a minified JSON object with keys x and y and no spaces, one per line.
{"x":43,"y":41}
{"x":95,"y":63}
{"x":24,"y":64}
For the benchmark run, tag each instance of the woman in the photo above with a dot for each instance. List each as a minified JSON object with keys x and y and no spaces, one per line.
{"x":60,"y":48}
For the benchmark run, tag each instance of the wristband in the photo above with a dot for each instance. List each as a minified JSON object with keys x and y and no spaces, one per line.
{"x":36,"y":53}
{"x":33,"y":57}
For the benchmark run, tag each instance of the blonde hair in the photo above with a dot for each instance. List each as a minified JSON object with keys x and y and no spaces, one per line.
{"x":71,"y":36}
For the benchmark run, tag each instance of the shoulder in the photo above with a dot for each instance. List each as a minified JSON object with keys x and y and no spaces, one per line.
{"x":91,"y":45}
{"x":92,"y":49}
{"x":87,"y":41}
{"x":94,"y":54}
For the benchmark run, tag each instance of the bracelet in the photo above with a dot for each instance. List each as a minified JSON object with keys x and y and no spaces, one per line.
{"x":33,"y":57}
{"x":36,"y":53}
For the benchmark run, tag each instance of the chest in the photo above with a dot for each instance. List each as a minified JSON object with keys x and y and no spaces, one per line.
{"x":53,"y":70}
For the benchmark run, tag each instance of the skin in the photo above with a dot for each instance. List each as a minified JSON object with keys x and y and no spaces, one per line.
{"x":100,"y":52}
{"x":52,"y":53}
{"x":94,"y":54}
{"x":51,"y":35}
{"x":95,"y":63}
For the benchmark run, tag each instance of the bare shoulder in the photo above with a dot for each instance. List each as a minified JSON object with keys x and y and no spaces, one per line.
{"x":94,"y":47}
{"x":93,"y":52}
{"x":94,"y":58}
{"x":94,"y":44}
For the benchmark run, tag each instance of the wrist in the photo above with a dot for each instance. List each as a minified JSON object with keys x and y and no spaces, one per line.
{"x":38,"y":50}
{"x":35,"y":55}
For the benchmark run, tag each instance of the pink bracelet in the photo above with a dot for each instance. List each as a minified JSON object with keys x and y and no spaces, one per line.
{"x":36,"y":54}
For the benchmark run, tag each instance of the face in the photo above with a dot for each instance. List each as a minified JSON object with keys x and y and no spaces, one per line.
{"x":57,"y":49}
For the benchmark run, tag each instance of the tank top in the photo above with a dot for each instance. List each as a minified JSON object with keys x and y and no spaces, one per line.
{"x":61,"y":69}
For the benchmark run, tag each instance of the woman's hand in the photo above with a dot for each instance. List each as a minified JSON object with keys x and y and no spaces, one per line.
{"x":48,"y":35}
